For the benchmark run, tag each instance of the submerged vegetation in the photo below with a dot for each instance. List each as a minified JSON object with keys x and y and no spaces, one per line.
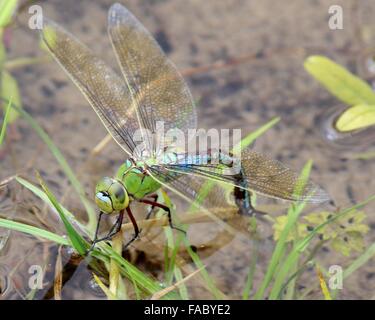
{"x":351,"y":90}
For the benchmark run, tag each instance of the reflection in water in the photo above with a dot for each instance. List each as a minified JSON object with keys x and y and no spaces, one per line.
{"x":357,"y":140}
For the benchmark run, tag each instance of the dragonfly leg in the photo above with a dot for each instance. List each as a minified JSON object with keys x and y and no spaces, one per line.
{"x":116,"y":226}
{"x":97,"y":226}
{"x":251,"y":211}
{"x":254,"y":211}
{"x":114,"y":229}
{"x":149,"y":213}
{"x":95,"y":240}
{"x":243,"y":202}
{"x":166,"y":209}
{"x":135,"y":226}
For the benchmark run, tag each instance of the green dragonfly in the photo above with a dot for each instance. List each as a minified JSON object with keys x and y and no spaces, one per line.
{"x":152,"y":90}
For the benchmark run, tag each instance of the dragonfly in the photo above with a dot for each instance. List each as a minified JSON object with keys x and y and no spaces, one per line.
{"x":149,"y":90}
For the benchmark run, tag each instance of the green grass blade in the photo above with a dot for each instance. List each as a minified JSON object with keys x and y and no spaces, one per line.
{"x":356,"y":264}
{"x":7,"y":8}
{"x":131,"y":272}
{"x":172,"y":260}
{"x":171,"y":268}
{"x":39,"y":193}
{"x":281,"y":246}
{"x":360,"y":261}
{"x":79,"y":244}
{"x":304,"y":242}
{"x":250,"y":277}
{"x":293,"y":278}
{"x":199,"y":264}
{"x":2,"y":51}
{"x":5,"y":122}
{"x":76,"y":240}
{"x":182,"y":287}
{"x":64,"y":165}
{"x":250,"y":138}
{"x":291,"y":288}
{"x":143,"y":281}
{"x":108,"y":293}
{"x":293,"y":213}
{"x":17,"y":226}
{"x":302,"y":245}
{"x":9,"y":90}
{"x":127,"y":269}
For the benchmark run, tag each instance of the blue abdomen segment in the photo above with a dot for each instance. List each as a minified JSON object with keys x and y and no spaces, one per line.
{"x":242,"y":196}
{"x":213,"y":161}
{"x":211,"y":157}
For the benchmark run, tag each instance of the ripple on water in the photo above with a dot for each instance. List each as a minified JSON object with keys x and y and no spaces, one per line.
{"x":357,"y":139}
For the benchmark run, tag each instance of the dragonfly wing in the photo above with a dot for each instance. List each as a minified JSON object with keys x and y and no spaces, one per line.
{"x":259,"y":173}
{"x":195,"y":188}
{"x":102,"y":87}
{"x":159,"y":91}
{"x":272,"y":178}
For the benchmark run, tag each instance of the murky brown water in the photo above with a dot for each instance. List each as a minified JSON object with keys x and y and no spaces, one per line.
{"x":279,"y":35}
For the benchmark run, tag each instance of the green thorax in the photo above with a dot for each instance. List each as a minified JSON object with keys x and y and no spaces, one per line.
{"x":137,"y":183}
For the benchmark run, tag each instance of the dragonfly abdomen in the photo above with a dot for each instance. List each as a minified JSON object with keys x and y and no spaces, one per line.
{"x":242,"y":196}
{"x":211,"y":157}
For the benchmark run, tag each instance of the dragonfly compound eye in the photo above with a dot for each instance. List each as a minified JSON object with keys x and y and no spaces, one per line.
{"x":111,"y":195}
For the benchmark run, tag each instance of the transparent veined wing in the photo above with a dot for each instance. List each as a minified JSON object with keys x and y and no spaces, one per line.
{"x":272,"y":178}
{"x":195,"y":188}
{"x":203,"y":195}
{"x":103,"y":88}
{"x":258,"y":173}
{"x":158,"y":89}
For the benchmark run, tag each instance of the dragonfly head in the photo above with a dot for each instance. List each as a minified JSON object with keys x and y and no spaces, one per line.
{"x":111,"y":195}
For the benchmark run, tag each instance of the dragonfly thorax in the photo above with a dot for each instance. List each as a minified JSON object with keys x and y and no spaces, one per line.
{"x":111,"y":195}
{"x":137,"y":181}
